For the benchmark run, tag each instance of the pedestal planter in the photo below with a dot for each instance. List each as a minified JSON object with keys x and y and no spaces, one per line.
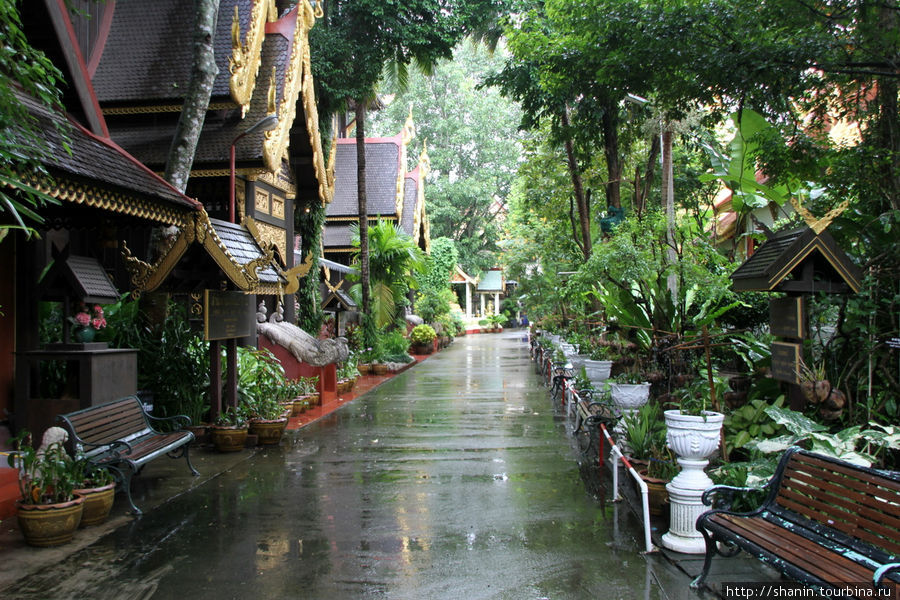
{"x":50,"y":524}
{"x":98,"y":502}
{"x":597,"y":371}
{"x":627,"y":398}
{"x":228,"y":438}
{"x":693,"y":438}
{"x":268,"y":432}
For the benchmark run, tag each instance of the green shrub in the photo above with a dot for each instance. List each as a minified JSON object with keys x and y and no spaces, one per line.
{"x":422,"y":334}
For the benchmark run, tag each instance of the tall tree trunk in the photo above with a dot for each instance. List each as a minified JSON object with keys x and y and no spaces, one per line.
{"x":888,"y":119}
{"x":668,"y":202}
{"x":196,"y":102}
{"x":584,"y":214}
{"x":613,"y":163}
{"x":368,"y":318}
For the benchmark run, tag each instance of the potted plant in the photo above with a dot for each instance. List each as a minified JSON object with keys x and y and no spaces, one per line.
{"x":629,"y":390}
{"x":229,"y":432}
{"x":260,"y":379}
{"x":98,"y":487}
{"x":422,"y":338}
{"x":87,"y":322}
{"x":49,"y":511}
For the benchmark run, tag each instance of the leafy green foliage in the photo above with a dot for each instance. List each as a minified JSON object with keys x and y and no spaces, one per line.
{"x":44,"y":479}
{"x":22,"y":145}
{"x":260,"y":383}
{"x":473,"y":148}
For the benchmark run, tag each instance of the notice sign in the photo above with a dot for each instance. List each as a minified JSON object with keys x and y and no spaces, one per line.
{"x":786,"y":362}
{"x":227,"y":315}
{"x":787,"y":318}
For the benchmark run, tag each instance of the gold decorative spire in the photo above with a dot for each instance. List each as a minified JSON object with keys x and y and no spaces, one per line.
{"x":273,"y":90}
{"x":814,"y":223}
{"x":298,"y":79}
{"x":246,"y":57}
{"x":406,"y":135}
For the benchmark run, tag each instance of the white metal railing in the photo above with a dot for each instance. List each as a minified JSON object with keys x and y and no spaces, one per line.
{"x":615,"y":456}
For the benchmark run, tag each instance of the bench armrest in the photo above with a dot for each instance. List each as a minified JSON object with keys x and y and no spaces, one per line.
{"x":721,"y":496}
{"x":882,"y":572}
{"x":180,"y":421}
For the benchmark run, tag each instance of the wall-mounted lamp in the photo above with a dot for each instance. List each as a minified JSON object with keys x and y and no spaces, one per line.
{"x":267,"y":123}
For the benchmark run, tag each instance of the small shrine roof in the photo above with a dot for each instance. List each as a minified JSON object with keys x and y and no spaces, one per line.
{"x":798,"y":261}
{"x":491,"y":281}
{"x":243,"y":248}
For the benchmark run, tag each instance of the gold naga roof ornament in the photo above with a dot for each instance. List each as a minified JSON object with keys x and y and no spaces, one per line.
{"x":814,"y":223}
{"x":297,"y":79}
{"x":246,"y":56}
{"x":420,"y":218}
{"x":406,"y":135}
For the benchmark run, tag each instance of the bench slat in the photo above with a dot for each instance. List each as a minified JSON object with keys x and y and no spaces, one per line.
{"x":843,"y":484}
{"x":825,"y":564}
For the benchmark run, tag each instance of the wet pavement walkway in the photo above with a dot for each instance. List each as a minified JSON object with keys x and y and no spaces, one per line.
{"x":452,"y":480}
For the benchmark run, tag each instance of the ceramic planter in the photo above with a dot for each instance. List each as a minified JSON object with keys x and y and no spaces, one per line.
{"x":228,"y":438}
{"x":50,"y":524}
{"x":380,"y":369}
{"x":98,"y":503}
{"x":268,"y":432}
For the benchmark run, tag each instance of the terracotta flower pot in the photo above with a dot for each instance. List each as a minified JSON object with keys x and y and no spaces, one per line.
{"x":98,"y":503}
{"x":50,"y":524}
{"x":380,"y":369}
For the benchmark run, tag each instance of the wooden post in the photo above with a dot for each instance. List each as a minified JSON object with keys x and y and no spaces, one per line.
{"x":215,"y":380}
{"x":231,"y":375}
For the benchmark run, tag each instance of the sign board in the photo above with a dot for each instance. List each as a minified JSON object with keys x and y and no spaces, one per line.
{"x":227,"y":315}
{"x":786,"y":361}
{"x":787,"y":317}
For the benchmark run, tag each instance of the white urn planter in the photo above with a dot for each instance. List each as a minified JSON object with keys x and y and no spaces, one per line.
{"x":597,"y":371}
{"x":693,"y":438}
{"x":627,"y":398}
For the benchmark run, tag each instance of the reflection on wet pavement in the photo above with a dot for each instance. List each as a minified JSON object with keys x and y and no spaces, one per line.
{"x":452,"y":480}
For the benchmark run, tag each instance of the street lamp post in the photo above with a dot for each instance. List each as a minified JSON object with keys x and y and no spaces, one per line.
{"x":267,"y":123}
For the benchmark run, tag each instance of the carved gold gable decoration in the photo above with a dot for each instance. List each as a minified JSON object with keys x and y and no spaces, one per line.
{"x":247,"y":55}
{"x":197,"y":228}
{"x":814,"y":223}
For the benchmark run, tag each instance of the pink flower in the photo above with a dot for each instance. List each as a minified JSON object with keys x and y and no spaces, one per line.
{"x":98,"y":322}
{"x":83,"y":319}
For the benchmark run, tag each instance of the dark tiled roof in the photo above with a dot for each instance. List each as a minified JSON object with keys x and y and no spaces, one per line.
{"x":243,"y":247}
{"x":382,"y":163}
{"x":147,"y":56}
{"x":410,"y":196}
{"x":337,"y":235}
{"x":92,"y":281}
{"x":97,"y":159}
{"x":149,"y":141}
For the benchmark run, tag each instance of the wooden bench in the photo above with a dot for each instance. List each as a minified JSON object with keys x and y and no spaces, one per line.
{"x":121,"y":437}
{"x":825,"y":523}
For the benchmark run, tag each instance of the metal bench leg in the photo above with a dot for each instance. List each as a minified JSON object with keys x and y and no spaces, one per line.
{"x":187,"y":457}
{"x":707,"y":561}
{"x":123,"y":476}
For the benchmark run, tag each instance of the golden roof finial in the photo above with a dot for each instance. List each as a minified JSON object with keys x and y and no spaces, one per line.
{"x":819,"y":225}
{"x":409,"y":128}
{"x":271,"y":107}
{"x":425,"y":160}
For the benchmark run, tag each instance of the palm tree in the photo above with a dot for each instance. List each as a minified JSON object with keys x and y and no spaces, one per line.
{"x":394,"y":259}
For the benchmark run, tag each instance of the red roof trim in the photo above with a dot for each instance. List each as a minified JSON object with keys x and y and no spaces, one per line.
{"x":67,"y":38}
{"x":118,"y":149}
{"x":397,"y":139}
{"x":100,"y":43}
{"x":284,"y":26}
